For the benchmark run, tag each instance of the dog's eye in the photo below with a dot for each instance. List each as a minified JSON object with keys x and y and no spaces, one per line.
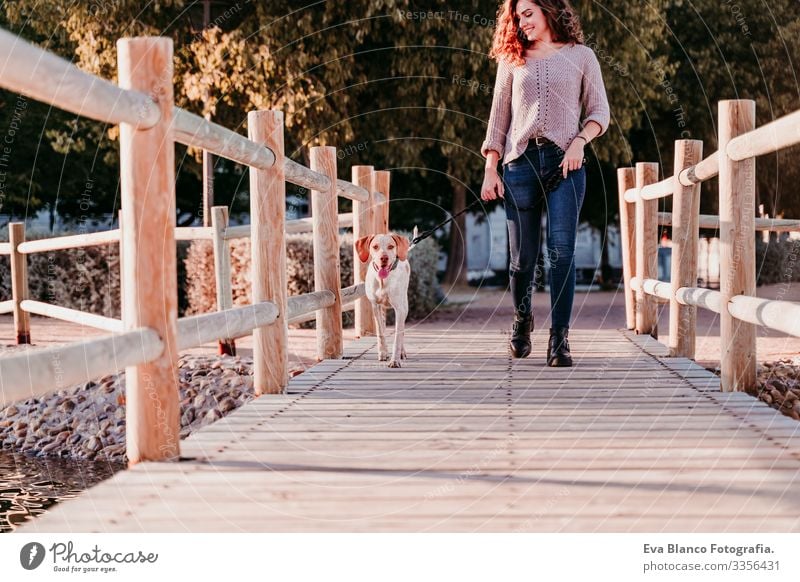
{"x":390,"y":247}
{"x":375,"y":247}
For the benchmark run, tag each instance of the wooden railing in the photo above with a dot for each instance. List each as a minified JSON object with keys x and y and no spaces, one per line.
{"x":147,"y":339}
{"x":740,"y":311}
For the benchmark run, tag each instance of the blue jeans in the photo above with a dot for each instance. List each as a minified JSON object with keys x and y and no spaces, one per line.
{"x":524,"y":202}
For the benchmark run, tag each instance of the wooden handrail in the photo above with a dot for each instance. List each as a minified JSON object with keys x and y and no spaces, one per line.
{"x":701,"y":171}
{"x":73,"y":315}
{"x":300,"y":306}
{"x":711,"y":221}
{"x":38,"y":371}
{"x":232,"y":323}
{"x":29,"y":70}
{"x":69,"y":242}
{"x":772,"y":137}
{"x":193,"y":130}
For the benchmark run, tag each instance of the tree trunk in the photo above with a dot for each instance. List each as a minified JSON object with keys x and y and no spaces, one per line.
{"x":456,"y":273}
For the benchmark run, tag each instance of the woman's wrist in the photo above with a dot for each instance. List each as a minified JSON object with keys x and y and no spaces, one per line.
{"x":585,"y":141}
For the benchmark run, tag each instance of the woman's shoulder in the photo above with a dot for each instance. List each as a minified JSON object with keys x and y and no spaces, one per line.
{"x":583,"y":51}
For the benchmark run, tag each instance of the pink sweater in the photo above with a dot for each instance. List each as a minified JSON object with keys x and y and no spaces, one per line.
{"x":543,"y":98}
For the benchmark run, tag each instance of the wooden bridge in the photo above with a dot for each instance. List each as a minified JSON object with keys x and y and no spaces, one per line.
{"x":463,"y":438}
{"x":635,"y":437}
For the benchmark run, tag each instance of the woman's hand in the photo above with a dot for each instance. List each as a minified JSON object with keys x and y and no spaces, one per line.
{"x":492,"y":185}
{"x":573,"y":157}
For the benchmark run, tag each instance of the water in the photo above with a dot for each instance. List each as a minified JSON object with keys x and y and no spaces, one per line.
{"x":29,"y":486}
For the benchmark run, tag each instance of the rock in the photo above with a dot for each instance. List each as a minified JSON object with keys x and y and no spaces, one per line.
{"x":227,"y":405}
{"x":51,"y":447}
{"x":93,"y":445}
{"x":11,"y":411}
{"x":212,"y":415}
{"x":68,"y":406}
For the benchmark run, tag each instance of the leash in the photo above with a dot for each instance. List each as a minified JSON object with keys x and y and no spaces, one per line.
{"x":428,"y":233}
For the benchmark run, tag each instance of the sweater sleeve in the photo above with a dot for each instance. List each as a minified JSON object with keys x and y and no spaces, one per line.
{"x":500,"y":116}
{"x":593,"y":95}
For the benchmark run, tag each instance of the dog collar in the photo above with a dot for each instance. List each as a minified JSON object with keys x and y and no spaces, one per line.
{"x":383,"y":272}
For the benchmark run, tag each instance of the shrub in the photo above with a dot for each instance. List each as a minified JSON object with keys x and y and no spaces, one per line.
{"x":777,"y":261}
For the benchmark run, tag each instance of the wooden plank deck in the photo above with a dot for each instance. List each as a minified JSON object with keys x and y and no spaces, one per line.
{"x":462,"y":439}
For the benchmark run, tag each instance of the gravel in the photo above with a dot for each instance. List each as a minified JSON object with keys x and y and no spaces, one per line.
{"x":88,"y":421}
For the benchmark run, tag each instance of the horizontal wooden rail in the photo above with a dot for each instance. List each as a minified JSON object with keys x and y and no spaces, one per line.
{"x":295,"y":226}
{"x":35,"y":372}
{"x":7,"y":306}
{"x":652,"y":287}
{"x":34,"y":72}
{"x":778,"y":315}
{"x":5,"y":248}
{"x":69,"y":242}
{"x":776,"y":135}
{"x":194,"y":233}
{"x":658,"y":288}
{"x":229,"y":324}
{"x":72,"y":315}
{"x":705,"y":298}
{"x":701,"y":171}
{"x":300,"y":305}
{"x":193,"y":130}
{"x":711,"y":221}
{"x":352,"y":294}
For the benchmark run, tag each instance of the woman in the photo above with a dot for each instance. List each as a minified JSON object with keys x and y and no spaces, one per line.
{"x":545,"y":76}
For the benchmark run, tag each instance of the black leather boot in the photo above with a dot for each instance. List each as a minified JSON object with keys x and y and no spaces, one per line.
{"x":521,"y":336}
{"x":558,"y":355}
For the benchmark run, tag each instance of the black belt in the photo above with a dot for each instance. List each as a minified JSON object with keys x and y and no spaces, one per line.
{"x":539,"y":142}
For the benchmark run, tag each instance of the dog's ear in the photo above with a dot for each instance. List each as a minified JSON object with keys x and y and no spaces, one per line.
{"x":402,"y":246}
{"x":362,"y":247}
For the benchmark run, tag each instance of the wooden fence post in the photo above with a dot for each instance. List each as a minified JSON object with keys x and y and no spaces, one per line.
{"x":325,"y":217}
{"x":222,"y":269}
{"x":148,"y":251}
{"x":363,"y":225}
{"x":19,"y":282}
{"x":268,"y":252}
{"x":685,"y":240}
{"x":646,"y":250}
{"x":626,"y":179}
{"x":382,"y":184}
{"x":737,"y":188}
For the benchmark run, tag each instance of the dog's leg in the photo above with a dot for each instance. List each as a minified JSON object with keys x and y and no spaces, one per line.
{"x":398,"y":351}
{"x":379,"y":313}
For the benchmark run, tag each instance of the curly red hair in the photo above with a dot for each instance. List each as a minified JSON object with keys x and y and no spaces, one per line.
{"x":561,"y":18}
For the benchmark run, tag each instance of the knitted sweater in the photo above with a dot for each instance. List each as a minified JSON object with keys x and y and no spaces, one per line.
{"x":543,"y":98}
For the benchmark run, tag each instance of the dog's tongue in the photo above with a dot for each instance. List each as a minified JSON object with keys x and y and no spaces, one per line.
{"x":383,"y":272}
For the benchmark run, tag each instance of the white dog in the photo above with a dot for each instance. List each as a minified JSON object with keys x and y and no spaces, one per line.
{"x":387,"y":286}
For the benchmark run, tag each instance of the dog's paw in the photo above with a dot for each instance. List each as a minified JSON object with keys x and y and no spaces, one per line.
{"x":403,"y":355}
{"x":394,"y":364}
{"x":383,"y":356}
